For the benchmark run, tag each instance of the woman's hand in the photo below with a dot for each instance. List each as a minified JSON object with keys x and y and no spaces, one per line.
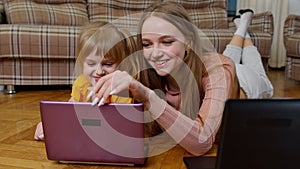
{"x":120,"y":82}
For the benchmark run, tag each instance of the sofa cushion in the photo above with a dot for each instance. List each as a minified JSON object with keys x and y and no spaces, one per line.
{"x":107,"y":10}
{"x":122,"y":13}
{"x":207,"y":14}
{"x":31,"y":12}
{"x":293,"y":45}
{"x":58,"y":1}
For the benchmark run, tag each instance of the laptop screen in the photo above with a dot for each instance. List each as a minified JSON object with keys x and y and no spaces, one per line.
{"x":256,"y":134}
{"x":260,"y":134}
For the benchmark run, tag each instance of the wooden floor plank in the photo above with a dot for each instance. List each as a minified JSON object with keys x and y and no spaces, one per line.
{"x":23,"y":163}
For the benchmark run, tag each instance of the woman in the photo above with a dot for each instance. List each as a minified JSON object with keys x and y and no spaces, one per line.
{"x":183,"y":85}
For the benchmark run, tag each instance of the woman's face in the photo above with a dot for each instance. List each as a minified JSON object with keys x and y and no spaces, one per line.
{"x":95,"y":67}
{"x":163,"y":45}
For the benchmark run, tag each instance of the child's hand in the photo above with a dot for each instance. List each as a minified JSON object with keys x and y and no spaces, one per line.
{"x":39,"y":134}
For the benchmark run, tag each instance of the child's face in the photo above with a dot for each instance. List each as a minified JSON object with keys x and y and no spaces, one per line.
{"x":163,"y":45}
{"x":95,"y":67}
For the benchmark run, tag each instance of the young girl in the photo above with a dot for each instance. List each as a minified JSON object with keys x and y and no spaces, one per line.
{"x":101,"y":49}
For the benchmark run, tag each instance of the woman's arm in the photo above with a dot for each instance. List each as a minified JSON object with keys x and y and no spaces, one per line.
{"x":196,"y":136}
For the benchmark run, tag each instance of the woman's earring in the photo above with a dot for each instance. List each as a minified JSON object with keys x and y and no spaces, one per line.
{"x":187,"y":51}
{"x":187,"y":48}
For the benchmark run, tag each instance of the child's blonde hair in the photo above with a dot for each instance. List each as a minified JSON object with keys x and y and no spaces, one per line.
{"x":109,"y":42}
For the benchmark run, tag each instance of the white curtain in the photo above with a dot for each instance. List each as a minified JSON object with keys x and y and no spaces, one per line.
{"x":279,"y":9}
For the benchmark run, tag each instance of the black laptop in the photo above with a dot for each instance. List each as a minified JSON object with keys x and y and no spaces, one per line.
{"x":256,"y":134}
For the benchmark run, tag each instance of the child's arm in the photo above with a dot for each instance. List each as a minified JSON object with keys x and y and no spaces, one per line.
{"x":71,"y":99}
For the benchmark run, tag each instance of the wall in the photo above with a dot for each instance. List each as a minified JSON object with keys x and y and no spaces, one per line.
{"x":294,"y":6}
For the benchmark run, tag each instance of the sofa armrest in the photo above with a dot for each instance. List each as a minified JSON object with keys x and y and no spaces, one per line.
{"x":261,"y":22}
{"x":291,"y":25}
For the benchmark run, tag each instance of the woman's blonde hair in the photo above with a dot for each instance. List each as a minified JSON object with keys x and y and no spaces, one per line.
{"x":191,"y":89}
{"x":108,"y":40}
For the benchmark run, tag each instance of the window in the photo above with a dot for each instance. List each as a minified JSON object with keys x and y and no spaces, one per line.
{"x":231,"y":8}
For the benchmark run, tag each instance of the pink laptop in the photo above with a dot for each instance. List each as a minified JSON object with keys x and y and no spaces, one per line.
{"x":81,"y":133}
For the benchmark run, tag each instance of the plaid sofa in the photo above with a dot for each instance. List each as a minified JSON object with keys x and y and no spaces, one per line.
{"x":292,"y":46}
{"x":39,"y":37}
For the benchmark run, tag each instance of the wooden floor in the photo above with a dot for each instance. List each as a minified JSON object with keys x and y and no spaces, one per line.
{"x":285,"y":88}
{"x":19,"y":114}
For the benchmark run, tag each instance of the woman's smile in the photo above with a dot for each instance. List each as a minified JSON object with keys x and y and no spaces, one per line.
{"x":160,"y":63}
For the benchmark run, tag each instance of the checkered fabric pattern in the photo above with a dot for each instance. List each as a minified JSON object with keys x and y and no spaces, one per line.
{"x":260,"y":30}
{"x":38,"y":46}
{"x":123,"y":13}
{"x":206,"y":14}
{"x":37,"y":54}
{"x":38,"y":41}
{"x":59,"y":1}
{"x":292,"y":45}
{"x":292,"y":35}
{"x":210,"y":17}
{"x":30,"y":12}
{"x":34,"y":71}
